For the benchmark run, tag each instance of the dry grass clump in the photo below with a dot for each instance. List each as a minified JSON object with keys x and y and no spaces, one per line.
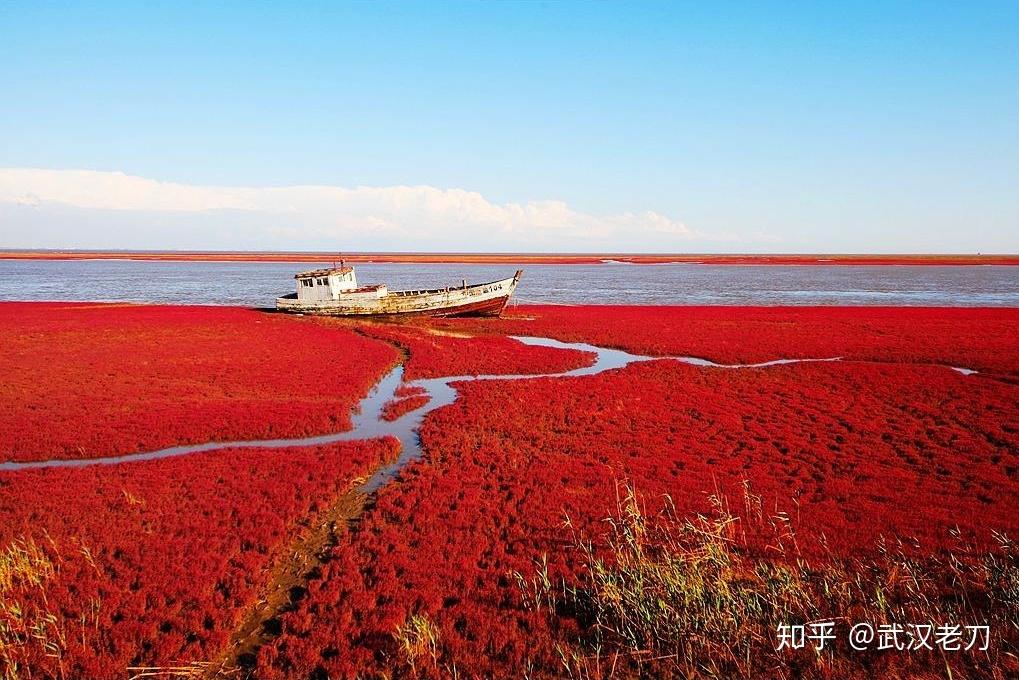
{"x":418,"y":639}
{"x":684,"y":597}
{"x":28,"y":629}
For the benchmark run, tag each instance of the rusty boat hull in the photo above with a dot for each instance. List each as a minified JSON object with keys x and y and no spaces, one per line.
{"x":483,"y":299}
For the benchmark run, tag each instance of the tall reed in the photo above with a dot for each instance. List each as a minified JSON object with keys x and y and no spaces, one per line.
{"x":665,"y":595}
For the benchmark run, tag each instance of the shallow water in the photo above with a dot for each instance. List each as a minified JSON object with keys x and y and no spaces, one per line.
{"x":368,"y":424}
{"x":257,"y":284}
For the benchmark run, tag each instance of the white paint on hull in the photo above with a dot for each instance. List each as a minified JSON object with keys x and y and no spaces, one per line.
{"x":483,"y":298}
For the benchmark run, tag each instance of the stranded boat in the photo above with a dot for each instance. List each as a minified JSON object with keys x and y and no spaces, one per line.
{"x":335,"y":292}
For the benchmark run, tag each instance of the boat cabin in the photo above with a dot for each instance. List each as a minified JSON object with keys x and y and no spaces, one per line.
{"x":321,"y":285}
{"x":325,"y":284}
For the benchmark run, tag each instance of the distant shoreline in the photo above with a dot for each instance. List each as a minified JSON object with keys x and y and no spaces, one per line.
{"x":507,"y":258}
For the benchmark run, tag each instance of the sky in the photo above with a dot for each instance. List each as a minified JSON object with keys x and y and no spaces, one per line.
{"x":563,"y":127}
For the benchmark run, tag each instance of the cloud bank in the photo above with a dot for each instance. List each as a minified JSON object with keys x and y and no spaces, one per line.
{"x":93,"y":209}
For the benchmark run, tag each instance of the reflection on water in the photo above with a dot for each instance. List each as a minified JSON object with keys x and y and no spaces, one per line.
{"x":258,"y":283}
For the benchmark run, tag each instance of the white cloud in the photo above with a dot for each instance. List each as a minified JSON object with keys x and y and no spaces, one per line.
{"x":296,"y":217}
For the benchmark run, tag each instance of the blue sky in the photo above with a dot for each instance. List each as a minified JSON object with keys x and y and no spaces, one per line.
{"x":756,"y":127}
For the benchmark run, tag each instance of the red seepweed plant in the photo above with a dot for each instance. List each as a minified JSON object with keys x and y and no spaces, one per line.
{"x":152,"y":563}
{"x":86,"y":380}
{"x":433,"y":355}
{"x":395,"y":408}
{"x":867,"y":477}
{"x":983,"y":339}
{"x":890,"y":462}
